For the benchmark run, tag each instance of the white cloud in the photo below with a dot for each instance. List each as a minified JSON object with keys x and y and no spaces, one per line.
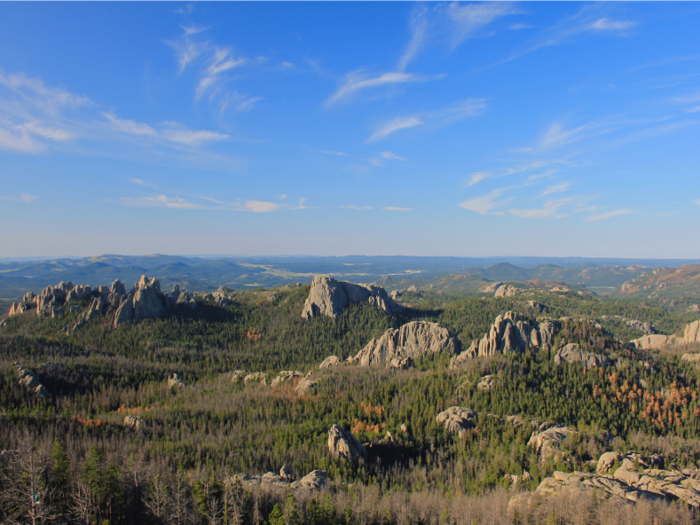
{"x":549,"y":209}
{"x":162,"y":201}
{"x":261,"y":206}
{"x":609,"y":214}
{"x":356,"y":81}
{"x":22,"y":197}
{"x":486,"y":203}
{"x":463,"y":109}
{"x":697,"y":202}
{"x":174,"y":133}
{"x":606,"y":24}
{"x":478,"y":177}
{"x":454,"y":22}
{"x":238,"y":102}
{"x":396,"y":208}
{"x":337,"y":153}
{"x":391,"y":156}
{"x":221,"y":60}
{"x":190,"y":203}
{"x":361,"y":208}
{"x":556,"y":188}
{"x":592,"y":18}
{"x":393,"y":126}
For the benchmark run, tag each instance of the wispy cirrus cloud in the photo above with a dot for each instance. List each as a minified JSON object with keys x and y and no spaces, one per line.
{"x":171,"y":132}
{"x":556,"y":188}
{"x":394,"y":125}
{"x":548,"y":209}
{"x":181,"y":203}
{"x":464,"y":109}
{"x":609,"y":215}
{"x":360,"y":80}
{"x":397,"y":208}
{"x":215,"y":62}
{"x":451,"y":23}
{"x":21,"y":197}
{"x":488,"y":203}
{"x":591,"y":19}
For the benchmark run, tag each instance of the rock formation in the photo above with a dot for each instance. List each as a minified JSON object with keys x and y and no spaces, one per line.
{"x":411,"y":340}
{"x":305,"y":386}
{"x":506,"y":291}
{"x":457,"y":419}
{"x":18,"y":308}
{"x":286,"y":375}
{"x":691,"y":334}
{"x":256,"y":377}
{"x":510,"y":334}
{"x":546,"y":443}
{"x":626,"y":484}
{"x":175,"y":382}
{"x":486,"y":382}
{"x":330,"y":362}
{"x":342,"y":444}
{"x":31,"y":382}
{"x":314,"y":480}
{"x":330,"y":297}
{"x":134,"y":422}
{"x":572,"y":353}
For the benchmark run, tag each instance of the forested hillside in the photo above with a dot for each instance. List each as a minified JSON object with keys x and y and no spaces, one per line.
{"x":178,"y":418}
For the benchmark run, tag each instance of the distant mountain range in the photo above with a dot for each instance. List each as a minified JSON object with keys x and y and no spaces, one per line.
{"x":202,"y":273}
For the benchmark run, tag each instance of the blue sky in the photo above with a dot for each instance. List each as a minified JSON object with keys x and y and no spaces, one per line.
{"x":474,"y":129}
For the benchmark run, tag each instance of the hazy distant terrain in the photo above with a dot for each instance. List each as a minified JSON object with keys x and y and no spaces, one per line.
{"x":394,"y":272}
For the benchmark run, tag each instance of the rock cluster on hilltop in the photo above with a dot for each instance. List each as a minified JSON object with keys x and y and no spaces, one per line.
{"x":691,"y":334}
{"x":144,"y":300}
{"x":635,"y":480}
{"x":330,"y":297}
{"x":342,"y":444}
{"x":31,"y":382}
{"x":134,"y":422}
{"x":330,"y":362}
{"x":511,"y":334}
{"x":285,"y":376}
{"x":572,"y":353}
{"x":546,"y":443}
{"x":409,"y":341}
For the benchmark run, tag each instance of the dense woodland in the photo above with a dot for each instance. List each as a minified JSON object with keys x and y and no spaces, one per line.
{"x":71,"y":458}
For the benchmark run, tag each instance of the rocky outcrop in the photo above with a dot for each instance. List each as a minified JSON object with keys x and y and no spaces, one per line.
{"x":305,"y":386}
{"x":572,"y":353}
{"x":510,"y":334}
{"x":457,"y":419}
{"x":506,"y":291}
{"x":175,"y":382}
{"x":330,"y":297}
{"x":691,"y":334}
{"x":401,"y":363}
{"x":256,"y":377}
{"x":546,"y":443}
{"x":314,"y":480}
{"x":626,"y":484}
{"x":342,"y":444}
{"x":486,"y":382}
{"x":411,"y":340}
{"x":134,"y":422}
{"x":285,"y":376}
{"x":18,"y":308}
{"x":647,"y":328}
{"x":31,"y":382}
{"x":330,"y":362}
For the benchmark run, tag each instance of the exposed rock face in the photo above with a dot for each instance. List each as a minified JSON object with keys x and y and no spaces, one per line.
{"x":28,"y":379}
{"x":647,"y":328}
{"x":18,"y":308}
{"x":401,"y":363}
{"x":330,"y":297}
{"x":342,"y":444}
{"x":510,"y":334}
{"x":546,"y":443}
{"x":256,"y":377}
{"x":330,"y":362}
{"x":691,"y":335}
{"x":572,"y":353}
{"x":411,"y":340}
{"x":314,"y":480}
{"x":625,"y":485}
{"x":457,"y":419}
{"x":491,"y":288}
{"x":506,"y":291}
{"x":305,"y":386}
{"x":134,"y":422}
{"x":286,"y":473}
{"x":175,"y":382}
{"x":286,"y":375}
{"x":486,"y":382}
{"x":237,"y":375}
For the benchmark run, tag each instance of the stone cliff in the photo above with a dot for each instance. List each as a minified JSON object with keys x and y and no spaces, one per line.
{"x":330,"y":297}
